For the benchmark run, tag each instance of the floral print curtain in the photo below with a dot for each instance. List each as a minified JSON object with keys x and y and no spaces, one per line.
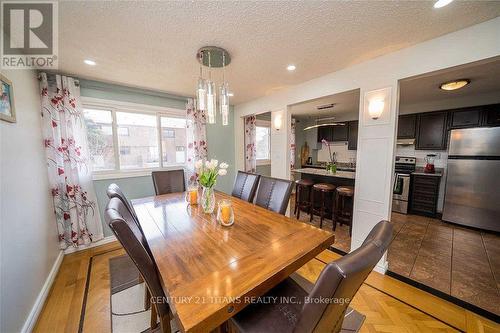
{"x":196,"y":134}
{"x":292,"y":144}
{"x":70,"y":177}
{"x":250,"y":144}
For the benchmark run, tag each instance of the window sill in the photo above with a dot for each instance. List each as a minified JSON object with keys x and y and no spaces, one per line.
{"x":263,"y":162}
{"x":115,"y":174}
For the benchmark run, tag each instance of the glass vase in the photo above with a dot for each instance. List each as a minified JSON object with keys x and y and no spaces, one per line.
{"x":208,"y":199}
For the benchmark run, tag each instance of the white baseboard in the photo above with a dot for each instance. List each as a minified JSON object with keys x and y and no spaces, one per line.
{"x":381,"y":267}
{"x":103,"y":241}
{"x":30,"y":322}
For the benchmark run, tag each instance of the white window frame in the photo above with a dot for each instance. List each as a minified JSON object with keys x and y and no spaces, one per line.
{"x":264,"y":123}
{"x":119,"y":106}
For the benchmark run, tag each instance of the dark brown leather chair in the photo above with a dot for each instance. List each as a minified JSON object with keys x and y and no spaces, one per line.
{"x":336,"y":286}
{"x":131,"y":238}
{"x":273,"y":194}
{"x":169,"y":181}
{"x":245,"y":186}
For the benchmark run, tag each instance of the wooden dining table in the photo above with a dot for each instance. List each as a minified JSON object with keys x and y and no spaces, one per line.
{"x":209,"y":272}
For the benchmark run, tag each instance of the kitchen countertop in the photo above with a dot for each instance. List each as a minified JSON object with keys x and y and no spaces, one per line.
{"x":323,"y":172}
{"x":420,"y":172}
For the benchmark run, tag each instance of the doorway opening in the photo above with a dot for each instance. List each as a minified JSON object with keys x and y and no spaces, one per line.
{"x":446,"y":186}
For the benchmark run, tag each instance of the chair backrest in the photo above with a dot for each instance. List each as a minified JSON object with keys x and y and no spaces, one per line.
{"x":339,"y":282}
{"x":245,"y":186}
{"x":169,"y":181}
{"x":114,"y":191}
{"x":273,"y":194}
{"x":131,"y":238}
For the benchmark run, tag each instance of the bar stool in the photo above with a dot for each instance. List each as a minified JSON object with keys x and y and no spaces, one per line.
{"x":322,"y":188}
{"x":303,"y":188}
{"x":343,"y":207}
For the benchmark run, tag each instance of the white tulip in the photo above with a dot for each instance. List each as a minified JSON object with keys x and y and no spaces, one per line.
{"x":198,"y":164}
{"x":224,"y":165}
{"x":222,"y":172}
{"x":214,"y":163}
{"x":207,"y":165}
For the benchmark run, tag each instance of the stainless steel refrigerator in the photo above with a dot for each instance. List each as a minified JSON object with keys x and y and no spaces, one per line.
{"x":472,"y":196}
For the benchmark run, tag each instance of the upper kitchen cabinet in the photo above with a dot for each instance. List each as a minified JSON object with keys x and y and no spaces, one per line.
{"x":340,"y":132}
{"x":492,"y":115}
{"x":325,"y":133}
{"x":352,"y":143}
{"x":431,"y":131}
{"x":406,"y":126}
{"x":467,"y":117}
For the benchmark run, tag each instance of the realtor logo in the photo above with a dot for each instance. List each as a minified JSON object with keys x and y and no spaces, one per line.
{"x":29,"y":39}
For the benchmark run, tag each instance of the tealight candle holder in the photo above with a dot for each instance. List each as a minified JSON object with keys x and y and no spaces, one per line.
{"x":225,"y":213}
{"x":192,"y":195}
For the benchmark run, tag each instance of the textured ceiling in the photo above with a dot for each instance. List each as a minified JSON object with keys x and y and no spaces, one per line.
{"x":346,"y":105}
{"x":484,"y":76}
{"x":153,"y":44}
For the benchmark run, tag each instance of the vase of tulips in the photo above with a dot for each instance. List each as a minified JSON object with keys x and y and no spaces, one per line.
{"x":208,"y":171}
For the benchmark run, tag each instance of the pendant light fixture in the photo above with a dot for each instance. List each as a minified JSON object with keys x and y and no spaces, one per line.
{"x":206,"y":93}
{"x":211,"y":95}
{"x":224,"y":94}
{"x":201,"y":92}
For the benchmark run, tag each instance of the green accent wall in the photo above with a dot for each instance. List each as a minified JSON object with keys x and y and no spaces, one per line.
{"x":220,"y":140}
{"x":264,"y":170}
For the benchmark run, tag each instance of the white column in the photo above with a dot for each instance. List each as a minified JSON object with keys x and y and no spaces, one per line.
{"x":374,"y":169}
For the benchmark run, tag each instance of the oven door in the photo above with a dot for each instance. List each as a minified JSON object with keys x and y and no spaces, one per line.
{"x":401,"y":187}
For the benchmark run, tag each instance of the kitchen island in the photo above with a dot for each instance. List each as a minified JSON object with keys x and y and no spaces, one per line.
{"x":340,"y":178}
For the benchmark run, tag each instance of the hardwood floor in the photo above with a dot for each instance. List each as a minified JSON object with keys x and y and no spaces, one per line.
{"x":389,"y":305}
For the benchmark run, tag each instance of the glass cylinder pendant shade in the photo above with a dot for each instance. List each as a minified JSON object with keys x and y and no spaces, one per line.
{"x":211,"y":102}
{"x":224,"y":103}
{"x":201,"y":94}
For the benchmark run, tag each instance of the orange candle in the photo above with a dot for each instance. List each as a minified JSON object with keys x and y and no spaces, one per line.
{"x":193,"y":197}
{"x":226,"y":213}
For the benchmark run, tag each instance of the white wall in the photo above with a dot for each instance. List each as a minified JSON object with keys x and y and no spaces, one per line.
{"x":29,"y":246}
{"x":376,"y":144}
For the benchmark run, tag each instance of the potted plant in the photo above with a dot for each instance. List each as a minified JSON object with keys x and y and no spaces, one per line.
{"x":332,"y":165}
{"x":208,"y":171}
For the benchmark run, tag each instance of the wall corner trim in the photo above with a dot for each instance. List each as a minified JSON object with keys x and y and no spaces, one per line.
{"x":32,"y":318}
{"x":382,"y":267}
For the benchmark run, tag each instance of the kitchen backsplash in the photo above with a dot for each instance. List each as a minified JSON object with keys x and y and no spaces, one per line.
{"x":340,"y":148}
{"x":439,"y":162}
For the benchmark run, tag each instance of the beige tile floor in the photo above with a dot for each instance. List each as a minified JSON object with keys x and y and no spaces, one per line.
{"x":460,"y":262}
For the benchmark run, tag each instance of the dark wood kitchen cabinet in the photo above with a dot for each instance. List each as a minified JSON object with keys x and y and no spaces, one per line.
{"x":432,"y":131}
{"x":325,"y":133}
{"x":424,"y":193}
{"x":492,"y":115}
{"x":464,"y":118}
{"x":406,"y":126}
{"x":340,"y":132}
{"x":352,"y":142}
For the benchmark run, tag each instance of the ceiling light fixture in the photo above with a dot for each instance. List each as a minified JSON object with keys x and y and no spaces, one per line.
{"x":206,"y":96}
{"x":454,"y":85}
{"x":322,"y":122}
{"x":90,"y":62}
{"x":290,"y":68}
{"x":442,"y":3}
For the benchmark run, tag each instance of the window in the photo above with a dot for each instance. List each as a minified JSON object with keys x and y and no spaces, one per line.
{"x":142,"y":139}
{"x":263,"y":143}
{"x":100,"y":138}
{"x":173,"y":140}
{"x":124,"y":140}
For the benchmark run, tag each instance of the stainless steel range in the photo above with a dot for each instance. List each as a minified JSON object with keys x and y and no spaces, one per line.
{"x":404,"y":166}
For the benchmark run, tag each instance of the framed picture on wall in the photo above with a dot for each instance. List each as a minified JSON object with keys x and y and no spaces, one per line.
{"x":7,"y":111}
